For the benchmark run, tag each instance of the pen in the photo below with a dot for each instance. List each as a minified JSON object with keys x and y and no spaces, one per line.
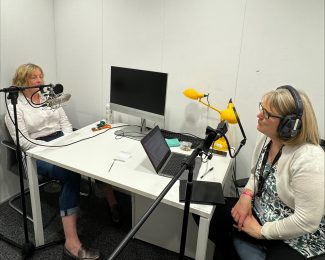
{"x":207,"y":172}
{"x":111,"y":165}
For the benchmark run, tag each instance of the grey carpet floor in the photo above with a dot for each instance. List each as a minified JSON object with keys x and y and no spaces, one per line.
{"x":94,"y":227}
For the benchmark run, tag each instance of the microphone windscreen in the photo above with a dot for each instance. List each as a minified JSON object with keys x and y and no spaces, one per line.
{"x":58,"y":88}
{"x":193,"y":94}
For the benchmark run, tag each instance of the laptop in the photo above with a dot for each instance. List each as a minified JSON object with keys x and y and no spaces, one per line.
{"x":164,"y":161}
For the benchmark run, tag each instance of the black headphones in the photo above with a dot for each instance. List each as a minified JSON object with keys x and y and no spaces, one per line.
{"x":290,"y":125}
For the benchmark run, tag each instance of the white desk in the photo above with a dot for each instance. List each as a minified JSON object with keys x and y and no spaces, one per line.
{"x":93,"y":157}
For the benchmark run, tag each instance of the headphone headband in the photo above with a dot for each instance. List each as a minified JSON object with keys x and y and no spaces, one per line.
{"x":297,"y":99}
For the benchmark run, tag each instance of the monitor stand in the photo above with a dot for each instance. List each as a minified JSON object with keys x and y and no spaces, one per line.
{"x":134,"y":131}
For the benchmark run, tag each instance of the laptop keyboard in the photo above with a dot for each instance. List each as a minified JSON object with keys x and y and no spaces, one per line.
{"x":174,"y":164}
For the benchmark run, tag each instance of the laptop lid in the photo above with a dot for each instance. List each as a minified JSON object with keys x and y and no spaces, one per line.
{"x":156,"y":148}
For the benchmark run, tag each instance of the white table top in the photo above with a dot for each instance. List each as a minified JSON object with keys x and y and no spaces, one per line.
{"x":93,"y":158}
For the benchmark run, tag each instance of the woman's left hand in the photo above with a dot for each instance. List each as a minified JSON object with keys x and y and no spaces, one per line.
{"x":252,"y":227}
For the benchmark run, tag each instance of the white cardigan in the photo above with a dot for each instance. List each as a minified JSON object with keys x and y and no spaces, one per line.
{"x":300,"y":185}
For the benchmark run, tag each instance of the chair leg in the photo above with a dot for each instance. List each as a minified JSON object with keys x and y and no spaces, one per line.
{"x":11,"y":201}
{"x":14,"y":207}
{"x":90,"y":188}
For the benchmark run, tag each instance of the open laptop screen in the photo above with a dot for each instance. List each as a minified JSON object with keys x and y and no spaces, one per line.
{"x":156,"y":148}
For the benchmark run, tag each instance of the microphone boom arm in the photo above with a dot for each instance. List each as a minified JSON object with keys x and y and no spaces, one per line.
{"x":209,"y":106}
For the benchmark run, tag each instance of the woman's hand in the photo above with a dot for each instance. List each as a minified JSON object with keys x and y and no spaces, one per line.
{"x":252,"y":227}
{"x":241,"y":210}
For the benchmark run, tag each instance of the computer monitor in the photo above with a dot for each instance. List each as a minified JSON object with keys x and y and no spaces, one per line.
{"x":139,"y":93}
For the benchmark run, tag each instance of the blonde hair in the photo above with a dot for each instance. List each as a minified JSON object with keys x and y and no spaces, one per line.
{"x":281,"y":101}
{"x":23,"y":72}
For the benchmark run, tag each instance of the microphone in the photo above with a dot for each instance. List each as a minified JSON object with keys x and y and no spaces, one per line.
{"x":58,"y":88}
{"x":56,"y":101}
{"x":193,"y":94}
{"x":53,"y":89}
{"x":213,"y":135}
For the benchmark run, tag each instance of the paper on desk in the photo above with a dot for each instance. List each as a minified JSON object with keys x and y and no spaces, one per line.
{"x":122,"y":156}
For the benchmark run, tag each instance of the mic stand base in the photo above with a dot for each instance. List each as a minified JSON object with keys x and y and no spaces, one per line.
{"x":27,"y":249}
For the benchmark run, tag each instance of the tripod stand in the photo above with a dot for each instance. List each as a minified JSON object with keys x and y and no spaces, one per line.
{"x":28,"y":248}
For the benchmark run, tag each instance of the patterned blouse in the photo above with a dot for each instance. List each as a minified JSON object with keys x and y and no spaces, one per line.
{"x":268,"y":207}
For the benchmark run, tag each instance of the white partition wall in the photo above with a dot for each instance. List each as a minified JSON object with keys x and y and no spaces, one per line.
{"x":282,"y":44}
{"x":230,"y":49}
{"x":27,"y":35}
{"x":78,"y":25}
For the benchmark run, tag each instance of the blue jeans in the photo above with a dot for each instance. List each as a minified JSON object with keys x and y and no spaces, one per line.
{"x":248,"y":250}
{"x":69,"y":195}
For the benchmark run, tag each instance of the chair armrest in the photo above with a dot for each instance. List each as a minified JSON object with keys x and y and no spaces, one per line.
{"x":9,"y":144}
{"x":241,"y":182}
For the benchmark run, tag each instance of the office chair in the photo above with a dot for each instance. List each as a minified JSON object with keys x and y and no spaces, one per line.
{"x":322,"y":144}
{"x":238,"y":183}
{"x":12,"y":165}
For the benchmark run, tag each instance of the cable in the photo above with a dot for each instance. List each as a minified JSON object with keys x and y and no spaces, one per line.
{"x":119,"y":134}
{"x":44,"y":145}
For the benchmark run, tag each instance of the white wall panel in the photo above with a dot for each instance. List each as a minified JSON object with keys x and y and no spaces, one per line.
{"x":133,"y":38}
{"x":201,"y":50}
{"x":236,"y":49}
{"x":283,"y":44}
{"x":78,"y":26}
{"x":27,"y":35}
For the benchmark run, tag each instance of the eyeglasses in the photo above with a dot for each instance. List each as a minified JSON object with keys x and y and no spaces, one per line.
{"x":266,"y":113}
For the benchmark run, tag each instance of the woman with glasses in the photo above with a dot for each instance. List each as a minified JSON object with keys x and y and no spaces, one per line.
{"x":280,"y":213}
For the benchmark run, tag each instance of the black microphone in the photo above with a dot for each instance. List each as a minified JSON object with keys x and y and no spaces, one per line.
{"x":53,"y":89}
{"x":214,"y":134}
{"x":58,"y":88}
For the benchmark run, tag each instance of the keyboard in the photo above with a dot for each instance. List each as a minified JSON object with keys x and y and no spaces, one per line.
{"x":174,"y":164}
{"x":182,"y":137}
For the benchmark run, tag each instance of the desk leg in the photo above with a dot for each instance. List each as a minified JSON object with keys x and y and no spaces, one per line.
{"x":35,"y":201}
{"x":202,"y":239}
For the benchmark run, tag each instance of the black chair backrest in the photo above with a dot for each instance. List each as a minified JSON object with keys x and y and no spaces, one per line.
{"x":322,"y":143}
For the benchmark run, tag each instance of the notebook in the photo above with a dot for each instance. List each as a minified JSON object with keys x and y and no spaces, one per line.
{"x":203,"y":192}
{"x":164,"y":161}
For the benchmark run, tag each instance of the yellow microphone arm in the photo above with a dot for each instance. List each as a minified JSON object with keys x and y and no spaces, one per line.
{"x":209,"y":106}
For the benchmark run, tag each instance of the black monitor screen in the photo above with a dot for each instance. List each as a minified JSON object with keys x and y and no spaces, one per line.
{"x":139,"y":89}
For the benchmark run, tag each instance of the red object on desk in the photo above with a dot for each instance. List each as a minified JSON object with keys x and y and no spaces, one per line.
{"x":101,"y":127}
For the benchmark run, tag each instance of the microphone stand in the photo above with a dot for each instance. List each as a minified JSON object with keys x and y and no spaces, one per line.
{"x":28,"y":248}
{"x":211,"y":135}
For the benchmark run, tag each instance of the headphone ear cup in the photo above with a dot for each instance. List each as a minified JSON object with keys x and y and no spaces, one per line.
{"x":286,"y":128}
